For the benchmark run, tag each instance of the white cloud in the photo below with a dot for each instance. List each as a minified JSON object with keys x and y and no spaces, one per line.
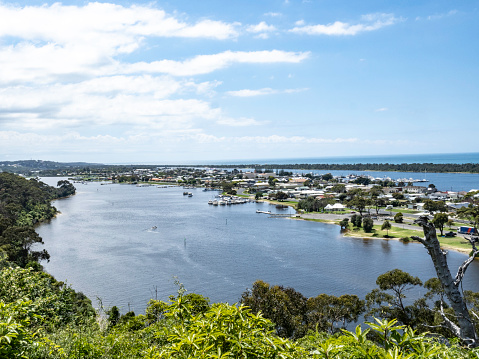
{"x":56,"y":43}
{"x":382,"y":109}
{"x":368,"y":22}
{"x":203,"y":64}
{"x":273,"y":14}
{"x":110,"y":24}
{"x":261,"y":92}
{"x":276,"y":139}
{"x":138,"y":101}
{"x":262,"y":29}
{"x":437,"y":16}
{"x":241,"y":122}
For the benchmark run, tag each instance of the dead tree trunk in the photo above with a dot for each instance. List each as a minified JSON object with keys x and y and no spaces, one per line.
{"x":450,"y":285}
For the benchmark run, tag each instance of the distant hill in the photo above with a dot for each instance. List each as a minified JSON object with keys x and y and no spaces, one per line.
{"x":27,"y":166}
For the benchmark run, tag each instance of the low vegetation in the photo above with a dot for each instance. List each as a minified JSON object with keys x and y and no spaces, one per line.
{"x":43,"y":318}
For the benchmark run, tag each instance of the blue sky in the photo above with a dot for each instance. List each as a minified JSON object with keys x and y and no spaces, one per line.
{"x":187,"y":81}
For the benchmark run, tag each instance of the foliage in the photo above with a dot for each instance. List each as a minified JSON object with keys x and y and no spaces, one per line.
{"x":356,"y":220}
{"x":329,"y":313}
{"x":311,"y":204}
{"x":359,"y":202}
{"x":368,"y":224}
{"x":283,"y":306}
{"x":327,"y":177}
{"x":386,"y":226}
{"x":398,"y":217}
{"x":225,"y":331}
{"x":344,"y":223}
{"x":53,"y":301}
{"x":24,"y":203}
{"x":15,"y":336}
{"x":434,"y":206}
{"x":281,"y":196}
{"x":439,"y":220}
{"x":388,"y":301}
{"x":471,"y":213}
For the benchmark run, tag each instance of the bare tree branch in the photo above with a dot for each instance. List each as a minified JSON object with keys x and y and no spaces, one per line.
{"x":465,"y":330}
{"x":462,"y":269}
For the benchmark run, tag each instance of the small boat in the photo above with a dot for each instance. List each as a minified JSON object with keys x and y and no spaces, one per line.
{"x":185,"y":193}
{"x":210,"y":201}
{"x":154,"y":227}
{"x":190,"y":194}
{"x":265,"y":212}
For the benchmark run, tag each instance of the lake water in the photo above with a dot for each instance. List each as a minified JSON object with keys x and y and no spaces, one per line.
{"x":104,"y":245}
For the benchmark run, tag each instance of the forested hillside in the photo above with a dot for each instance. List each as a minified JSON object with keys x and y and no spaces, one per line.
{"x":43,"y":318}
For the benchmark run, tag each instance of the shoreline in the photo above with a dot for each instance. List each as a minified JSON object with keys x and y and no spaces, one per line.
{"x":352,"y":235}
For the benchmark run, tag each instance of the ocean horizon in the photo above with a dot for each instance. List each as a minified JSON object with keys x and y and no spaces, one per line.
{"x":459,"y":158}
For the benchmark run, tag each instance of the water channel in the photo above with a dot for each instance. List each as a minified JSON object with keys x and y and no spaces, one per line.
{"x":126,"y":244}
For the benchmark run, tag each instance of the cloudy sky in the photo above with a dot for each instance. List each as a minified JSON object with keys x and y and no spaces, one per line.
{"x":183,"y":81}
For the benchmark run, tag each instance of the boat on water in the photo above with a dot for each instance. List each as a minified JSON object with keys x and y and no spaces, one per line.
{"x":190,"y":194}
{"x":185,"y":193}
{"x":210,"y":201}
{"x":265,"y":212}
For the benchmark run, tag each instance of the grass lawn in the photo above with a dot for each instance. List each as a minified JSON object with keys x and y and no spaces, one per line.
{"x":455,"y":242}
{"x":458,"y":243}
{"x":284,"y":203}
{"x":402,"y":210}
{"x":394,"y":233}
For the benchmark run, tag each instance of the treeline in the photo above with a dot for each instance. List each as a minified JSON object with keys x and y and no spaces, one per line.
{"x":41,"y":319}
{"x":23,"y":204}
{"x":381,"y":167}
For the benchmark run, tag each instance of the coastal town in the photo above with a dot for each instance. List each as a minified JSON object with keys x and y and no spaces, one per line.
{"x":351,"y":201}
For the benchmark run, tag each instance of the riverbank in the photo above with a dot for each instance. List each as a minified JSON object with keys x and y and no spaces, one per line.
{"x":458,"y":243}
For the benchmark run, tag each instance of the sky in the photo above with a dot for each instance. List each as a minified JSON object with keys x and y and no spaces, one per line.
{"x":187,"y":81}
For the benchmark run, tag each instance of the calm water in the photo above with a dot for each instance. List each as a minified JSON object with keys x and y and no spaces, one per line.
{"x":103,"y":244}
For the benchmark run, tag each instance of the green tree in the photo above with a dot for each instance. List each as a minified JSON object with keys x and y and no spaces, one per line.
{"x":272,"y":181}
{"x":344,"y":224}
{"x":281,"y":196}
{"x":434,"y":206}
{"x":388,"y":301}
{"x":227,"y":187}
{"x":65,"y":189}
{"x":356,"y":220}
{"x":398,"y":217}
{"x":377,"y":201}
{"x":450,"y":223}
{"x":285,"y":307}
{"x":471,"y":213}
{"x":398,"y":196}
{"x":359,"y":203}
{"x":386,"y":226}
{"x":258,"y":195}
{"x":339,"y":188}
{"x":368,"y":224}
{"x":439,"y":220}
{"x":327,"y":177}
{"x":331,"y":313}
{"x":18,"y":243}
